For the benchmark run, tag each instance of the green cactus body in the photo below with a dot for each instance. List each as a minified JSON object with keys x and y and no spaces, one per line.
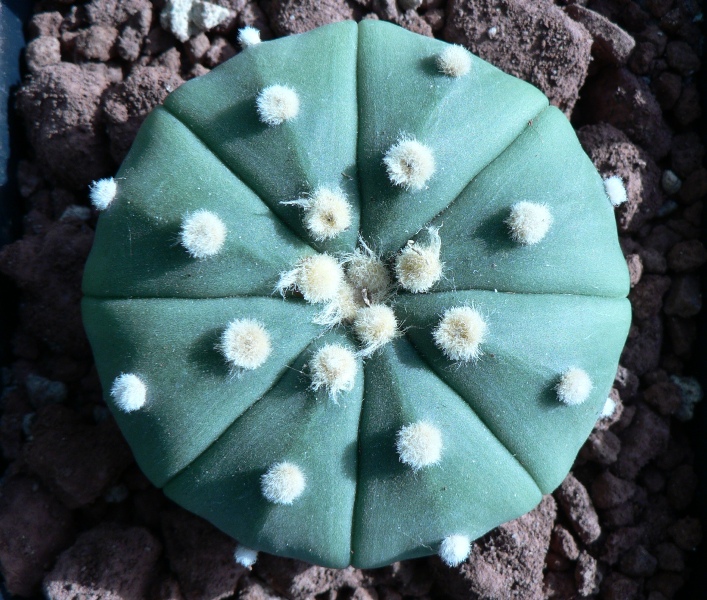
{"x":420,"y":439}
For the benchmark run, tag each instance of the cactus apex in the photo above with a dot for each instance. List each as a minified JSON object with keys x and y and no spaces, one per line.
{"x":460,"y":333}
{"x":129,"y":392}
{"x":574,"y":386}
{"x":277,"y":104}
{"x":103,"y":192}
{"x":318,"y":278}
{"x":454,"y":549}
{"x":245,"y":343}
{"x":248,"y":36}
{"x":615,"y":190}
{"x":366,"y":271}
{"x":409,"y":164}
{"x":341,"y":309}
{"x":375,"y":326}
{"x":529,"y":222}
{"x":419,"y":445}
{"x":454,"y":61}
{"x":283,"y":483}
{"x":202,"y":234}
{"x":327,"y":213}
{"x":246,"y":557}
{"x":418,"y":267}
{"x":333,"y":368}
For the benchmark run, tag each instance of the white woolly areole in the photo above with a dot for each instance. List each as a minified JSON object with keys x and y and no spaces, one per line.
{"x":333,"y":367}
{"x":375,"y":326}
{"x":283,"y":483}
{"x":419,"y":445}
{"x":454,"y":549}
{"x":341,"y":309}
{"x":202,"y":234}
{"x":248,"y":36}
{"x":102,"y":193}
{"x":409,"y":164}
{"x":454,"y":61}
{"x":318,"y":278}
{"x":246,"y":557}
{"x":460,"y":333}
{"x":418,"y":267}
{"x":574,"y":386}
{"x":277,"y":104}
{"x":529,"y":222}
{"x":366,"y":271}
{"x":326,"y":213}
{"x":608,"y":409}
{"x":129,"y":392}
{"x":615,"y":190}
{"x":245,"y":343}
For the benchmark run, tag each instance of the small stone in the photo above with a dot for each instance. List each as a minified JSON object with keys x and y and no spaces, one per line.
{"x":635,"y":268}
{"x":682,"y":57}
{"x":687,"y":153}
{"x":619,"y":542}
{"x":691,"y":393}
{"x":610,"y":43}
{"x":670,"y":557}
{"x":642,"y":58}
{"x":626,"y":382}
{"x":642,"y":441}
{"x":196,"y":47}
{"x":34,"y":528}
{"x":686,"y":533}
{"x":577,"y":506}
{"x":619,"y":587}
{"x":647,"y":296}
{"x":535,"y":41}
{"x":200,"y":555}
{"x":685,"y":298}
{"x":633,"y":109}
{"x":587,"y":575}
{"x":668,"y":87}
{"x":638,"y":562}
{"x":77,"y":461}
{"x":43,"y":391}
{"x":664,"y":396}
{"x":96,"y":43}
{"x":601,"y":447}
{"x":563,"y":543}
{"x":45,"y":24}
{"x":41,"y":52}
{"x":670,"y":182}
{"x":220,"y":51}
{"x":687,"y":256}
{"x":688,"y":108}
{"x":559,"y":585}
{"x":557,"y":562}
{"x":435,"y":19}
{"x":106,"y":562}
{"x":609,"y":491}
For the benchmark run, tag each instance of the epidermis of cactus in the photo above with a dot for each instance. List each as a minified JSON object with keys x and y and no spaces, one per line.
{"x":206,"y":435}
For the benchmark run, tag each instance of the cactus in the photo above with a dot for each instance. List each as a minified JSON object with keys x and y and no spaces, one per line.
{"x":356,"y":296}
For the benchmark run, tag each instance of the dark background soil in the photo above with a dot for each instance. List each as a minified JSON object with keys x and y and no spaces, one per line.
{"x":78,"y":519}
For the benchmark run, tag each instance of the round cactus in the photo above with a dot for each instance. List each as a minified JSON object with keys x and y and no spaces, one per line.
{"x":356,"y":296}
